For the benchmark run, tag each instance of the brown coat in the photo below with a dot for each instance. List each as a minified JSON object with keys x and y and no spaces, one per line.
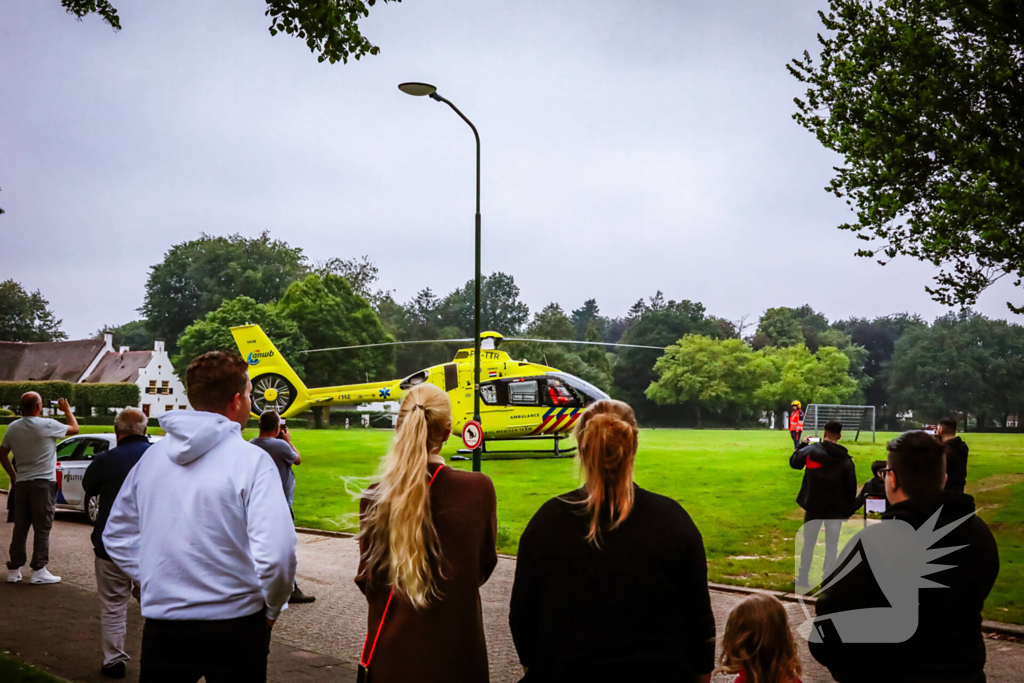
{"x":445,"y":640}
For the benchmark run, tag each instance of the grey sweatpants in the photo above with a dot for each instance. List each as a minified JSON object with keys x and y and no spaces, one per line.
{"x":34,"y":503}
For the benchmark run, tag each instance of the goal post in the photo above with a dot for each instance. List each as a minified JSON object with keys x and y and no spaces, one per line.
{"x":861,"y":417}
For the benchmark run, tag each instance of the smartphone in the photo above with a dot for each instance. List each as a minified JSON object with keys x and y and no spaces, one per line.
{"x":284,"y":427}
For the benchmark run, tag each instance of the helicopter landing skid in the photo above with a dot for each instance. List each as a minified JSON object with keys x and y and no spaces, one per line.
{"x":556,"y":452}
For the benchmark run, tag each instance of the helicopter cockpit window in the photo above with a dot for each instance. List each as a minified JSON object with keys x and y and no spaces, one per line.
{"x":557,"y":394}
{"x":489,"y":393}
{"x":587,"y":391}
{"x":414,"y":379}
{"x":523,"y":393}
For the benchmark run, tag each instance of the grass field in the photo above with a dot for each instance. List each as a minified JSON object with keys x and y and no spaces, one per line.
{"x":736,"y":485}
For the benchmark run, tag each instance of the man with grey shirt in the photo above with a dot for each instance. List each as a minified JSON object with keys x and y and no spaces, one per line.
{"x":277,"y":442}
{"x":33,"y":440}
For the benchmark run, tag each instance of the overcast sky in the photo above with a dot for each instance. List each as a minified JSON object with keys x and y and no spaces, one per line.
{"x":627,"y":147}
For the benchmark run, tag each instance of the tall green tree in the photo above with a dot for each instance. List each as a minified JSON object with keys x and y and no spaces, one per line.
{"x":195,"y":277}
{"x":135,"y":335}
{"x":718,"y":376}
{"x":798,"y":374}
{"x":330,"y":29}
{"x":213,"y":333}
{"x":878,"y":338}
{"x":964,"y":363}
{"x":328,"y":314}
{"x":922,"y":99}
{"x":586,"y":314}
{"x":655,"y":322}
{"x":500,"y":307}
{"x":26,"y":316}
{"x":422,"y":318}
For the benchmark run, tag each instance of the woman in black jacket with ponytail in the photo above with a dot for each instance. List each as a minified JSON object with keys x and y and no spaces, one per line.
{"x":611,"y":579}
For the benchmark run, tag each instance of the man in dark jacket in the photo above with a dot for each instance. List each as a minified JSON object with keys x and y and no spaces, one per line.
{"x":956,"y":455}
{"x":827,"y":495}
{"x":873,"y":487}
{"x":104,"y":478}
{"x":947,"y":646}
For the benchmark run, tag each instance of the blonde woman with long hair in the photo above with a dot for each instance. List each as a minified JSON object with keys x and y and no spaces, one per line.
{"x":426,"y":542}
{"x":611,"y":579}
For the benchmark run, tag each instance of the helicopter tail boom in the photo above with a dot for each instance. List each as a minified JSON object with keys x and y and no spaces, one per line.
{"x":275,"y":384}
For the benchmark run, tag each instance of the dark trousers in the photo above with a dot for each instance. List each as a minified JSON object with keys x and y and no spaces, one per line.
{"x":34,"y":503}
{"x":812,"y":527}
{"x":227,"y":650}
{"x":796,"y":437}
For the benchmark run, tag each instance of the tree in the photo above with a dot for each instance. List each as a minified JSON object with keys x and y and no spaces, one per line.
{"x":785,"y":326}
{"x":135,"y":335}
{"x":213,"y":333}
{"x":500,"y":307}
{"x":798,"y":374}
{"x":195,"y":277}
{"x":419,"y":319}
{"x":596,"y":356}
{"x":715,"y":375}
{"x":878,"y":338}
{"x":656,"y":322}
{"x":584,"y":315}
{"x":26,"y":317}
{"x":328,"y":313}
{"x":963,"y":363}
{"x":360,"y":273}
{"x":922,"y":98}
{"x":330,"y":29}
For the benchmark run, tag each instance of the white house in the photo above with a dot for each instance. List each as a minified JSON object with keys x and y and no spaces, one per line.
{"x":159,"y":388}
{"x":96,"y":361}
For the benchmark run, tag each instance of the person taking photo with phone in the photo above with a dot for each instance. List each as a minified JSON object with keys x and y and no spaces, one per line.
{"x":275,"y":439}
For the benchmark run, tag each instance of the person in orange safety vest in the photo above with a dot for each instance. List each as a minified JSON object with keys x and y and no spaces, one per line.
{"x":796,"y":423}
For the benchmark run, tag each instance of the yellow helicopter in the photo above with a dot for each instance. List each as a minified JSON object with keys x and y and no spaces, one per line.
{"x":519,"y":399}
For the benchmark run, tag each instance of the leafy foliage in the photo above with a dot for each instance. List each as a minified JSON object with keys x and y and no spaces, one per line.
{"x":213,"y":333}
{"x":500,"y":307}
{"x":821,"y":377}
{"x":719,"y":375}
{"x":328,"y":313}
{"x":135,"y":335}
{"x":104,"y":396}
{"x":26,"y":317}
{"x":10,"y":392}
{"x":329,"y":28}
{"x":195,"y":277}
{"x":922,"y":98}
{"x":963,"y":363}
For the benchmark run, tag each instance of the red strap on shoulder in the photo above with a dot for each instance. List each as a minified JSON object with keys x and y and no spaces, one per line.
{"x":384,"y":616}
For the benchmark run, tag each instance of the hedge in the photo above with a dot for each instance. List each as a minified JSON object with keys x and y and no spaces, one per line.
{"x":82,"y":396}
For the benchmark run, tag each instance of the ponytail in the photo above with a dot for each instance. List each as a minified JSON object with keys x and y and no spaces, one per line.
{"x":606,"y":438}
{"x":398,"y":526}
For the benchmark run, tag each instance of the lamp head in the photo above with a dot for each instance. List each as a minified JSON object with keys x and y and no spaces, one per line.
{"x":417,"y":89}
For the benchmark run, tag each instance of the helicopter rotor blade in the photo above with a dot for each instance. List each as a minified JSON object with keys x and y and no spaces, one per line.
{"x":591,"y":343}
{"x":396,"y":343}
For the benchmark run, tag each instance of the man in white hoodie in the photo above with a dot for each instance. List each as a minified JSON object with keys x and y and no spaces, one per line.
{"x":202,"y":524}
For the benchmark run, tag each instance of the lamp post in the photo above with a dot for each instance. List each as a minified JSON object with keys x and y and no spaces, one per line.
{"x":419,"y":90}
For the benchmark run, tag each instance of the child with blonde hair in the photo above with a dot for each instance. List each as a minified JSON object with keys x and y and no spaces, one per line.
{"x":758,"y":644}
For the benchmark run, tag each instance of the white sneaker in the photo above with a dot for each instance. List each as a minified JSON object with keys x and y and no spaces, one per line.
{"x":44,"y":576}
{"x":14,"y":575}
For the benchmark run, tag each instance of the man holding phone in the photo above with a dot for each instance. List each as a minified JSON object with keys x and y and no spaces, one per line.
{"x":277,"y":442}
{"x":33,"y":440}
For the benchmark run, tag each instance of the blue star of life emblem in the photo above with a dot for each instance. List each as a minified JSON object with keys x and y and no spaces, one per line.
{"x":385,"y":393}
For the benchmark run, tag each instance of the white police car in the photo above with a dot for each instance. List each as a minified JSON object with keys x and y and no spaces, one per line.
{"x":74,"y":455}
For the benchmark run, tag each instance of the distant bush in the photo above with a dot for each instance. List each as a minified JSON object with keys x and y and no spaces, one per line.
{"x":10,"y":392}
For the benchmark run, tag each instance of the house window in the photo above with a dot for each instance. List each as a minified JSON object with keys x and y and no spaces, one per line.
{"x":151,"y":389}
{"x":165,"y":384}
{"x":167,"y":408}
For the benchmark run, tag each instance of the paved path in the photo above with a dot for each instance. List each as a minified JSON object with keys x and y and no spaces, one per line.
{"x":57,"y":627}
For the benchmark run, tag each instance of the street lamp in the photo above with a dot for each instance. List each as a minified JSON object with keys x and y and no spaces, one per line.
{"x":419,"y":90}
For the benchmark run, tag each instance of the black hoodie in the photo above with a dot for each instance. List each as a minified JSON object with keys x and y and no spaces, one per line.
{"x":956,"y":464}
{"x":948,"y":644}
{"x":829,"y":488}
